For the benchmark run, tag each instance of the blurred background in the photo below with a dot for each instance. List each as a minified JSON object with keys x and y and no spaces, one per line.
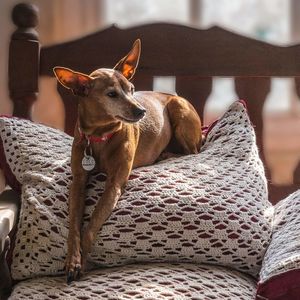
{"x":274,"y":21}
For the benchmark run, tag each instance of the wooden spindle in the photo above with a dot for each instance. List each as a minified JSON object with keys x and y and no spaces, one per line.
{"x":254,"y":91}
{"x":296,"y":174}
{"x":23,"y":69}
{"x":143,"y":82}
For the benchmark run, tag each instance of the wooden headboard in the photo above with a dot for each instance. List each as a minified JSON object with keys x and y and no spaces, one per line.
{"x":191,"y":55}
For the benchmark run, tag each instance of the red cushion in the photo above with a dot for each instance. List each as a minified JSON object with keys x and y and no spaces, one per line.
{"x":9,"y":176}
{"x":284,"y":286}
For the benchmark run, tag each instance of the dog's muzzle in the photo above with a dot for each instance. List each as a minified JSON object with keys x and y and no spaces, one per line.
{"x":138,"y":113}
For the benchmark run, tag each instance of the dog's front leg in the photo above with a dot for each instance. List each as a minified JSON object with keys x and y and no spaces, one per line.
{"x":113,"y":189}
{"x":76,"y":209}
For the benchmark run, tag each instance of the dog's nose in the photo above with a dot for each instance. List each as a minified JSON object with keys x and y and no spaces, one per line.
{"x":139,"y":112}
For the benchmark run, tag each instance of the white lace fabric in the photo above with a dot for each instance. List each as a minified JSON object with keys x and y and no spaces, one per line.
{"x":153,"y":281}
{"x":283,"y":253}
{"x":205,"y":208}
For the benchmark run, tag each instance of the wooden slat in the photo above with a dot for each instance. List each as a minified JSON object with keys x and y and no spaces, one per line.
{"x":171,"y":50}
{"x":143,"y":82}
{"x":254,"y":91}
{"x":296,"y":174}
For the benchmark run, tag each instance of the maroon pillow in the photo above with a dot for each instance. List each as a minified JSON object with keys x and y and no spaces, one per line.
{"x":280,"y":273}
{"x":9,"y":176}
{"x":285,"y":286}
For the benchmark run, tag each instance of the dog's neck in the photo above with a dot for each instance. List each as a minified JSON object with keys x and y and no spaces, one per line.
{"x":99,"y":131}
{"x":93,"y":138}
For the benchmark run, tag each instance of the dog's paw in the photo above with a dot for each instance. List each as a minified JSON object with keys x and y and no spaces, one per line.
{"x":73,"y":267}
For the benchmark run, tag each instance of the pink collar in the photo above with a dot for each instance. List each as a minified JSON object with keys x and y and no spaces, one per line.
{"x":94,"y":138}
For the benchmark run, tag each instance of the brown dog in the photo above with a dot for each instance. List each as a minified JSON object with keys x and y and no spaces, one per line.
{"x":117,"y":130}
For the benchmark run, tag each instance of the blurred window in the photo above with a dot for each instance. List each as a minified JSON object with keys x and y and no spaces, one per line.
{"x":267,"y":20}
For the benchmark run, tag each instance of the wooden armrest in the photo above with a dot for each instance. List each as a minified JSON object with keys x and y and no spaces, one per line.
{"x":9,"y":206}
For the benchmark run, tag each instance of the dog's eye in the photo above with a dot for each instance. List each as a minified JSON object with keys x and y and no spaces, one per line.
{"x":112,"y":94}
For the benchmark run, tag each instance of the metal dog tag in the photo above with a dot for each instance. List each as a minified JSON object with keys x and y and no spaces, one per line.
{"x":88,"y":162}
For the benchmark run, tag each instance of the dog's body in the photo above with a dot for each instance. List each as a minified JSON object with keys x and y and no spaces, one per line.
{"x":151,"y":135}
{"x":136,"y":128}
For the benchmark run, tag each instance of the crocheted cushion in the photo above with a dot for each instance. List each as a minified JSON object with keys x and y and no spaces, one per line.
{"x":198,"y":208}
{"x":153,"y":281}
{"x":280,"y":273}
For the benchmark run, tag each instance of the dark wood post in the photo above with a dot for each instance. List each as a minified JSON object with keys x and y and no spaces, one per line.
{"x":23,"y":67}
{"x":195,"y":10}
{"x":255,"y":91}
{"x":296,"y":175}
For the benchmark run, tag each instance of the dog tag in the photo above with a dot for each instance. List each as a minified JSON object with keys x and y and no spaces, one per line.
{"x":88,"y":162}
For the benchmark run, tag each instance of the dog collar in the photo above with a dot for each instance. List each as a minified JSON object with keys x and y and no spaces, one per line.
{"x":93,"y":138}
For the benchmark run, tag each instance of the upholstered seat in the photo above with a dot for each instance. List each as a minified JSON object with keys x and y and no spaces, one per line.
{"x":152,"y":281}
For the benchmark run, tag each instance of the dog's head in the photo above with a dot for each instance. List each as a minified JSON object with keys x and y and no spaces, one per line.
{"x":106,"y":94}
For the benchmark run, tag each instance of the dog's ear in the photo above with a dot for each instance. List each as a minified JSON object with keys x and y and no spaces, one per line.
{"x":79,"y":83}
{"x":128,"y":64}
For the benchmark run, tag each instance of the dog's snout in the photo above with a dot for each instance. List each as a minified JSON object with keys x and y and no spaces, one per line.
{"x":139,"y":112}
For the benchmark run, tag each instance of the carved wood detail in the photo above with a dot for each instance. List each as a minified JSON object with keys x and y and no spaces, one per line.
{"x":23,"y":70}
